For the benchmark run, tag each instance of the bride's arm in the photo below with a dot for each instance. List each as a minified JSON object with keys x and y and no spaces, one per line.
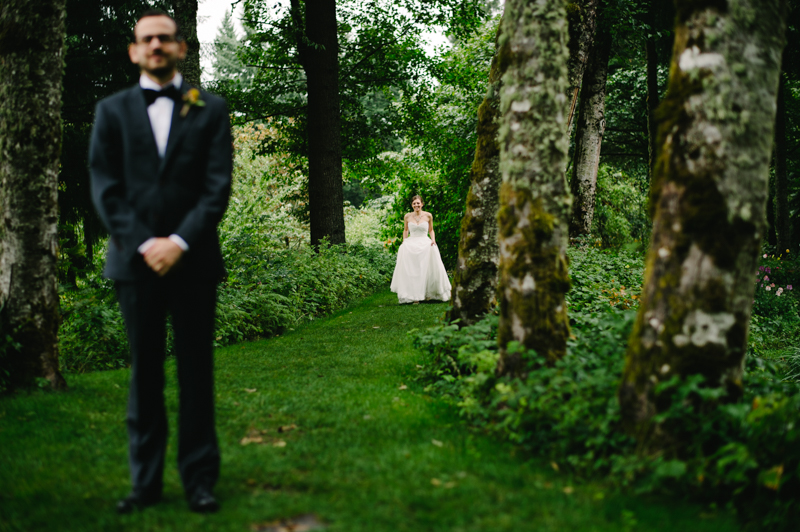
{"x":405,"y":227}
{"x":430,"y":229}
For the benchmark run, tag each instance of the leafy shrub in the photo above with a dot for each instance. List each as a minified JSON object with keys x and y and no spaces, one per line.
{"x":267,"y":291}
{"x":92,"y":333}
{"x":620,"y":213}
{"x":743,"y":450}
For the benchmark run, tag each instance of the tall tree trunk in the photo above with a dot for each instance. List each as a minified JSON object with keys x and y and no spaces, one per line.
{"x":186,"y":16}
{"x":651,"y":54}
{"x":772,"y":236}
{"x":31,"y":69}
{"x":589,"y":137}
{"x":783,"y":223}
{"x":534,"y":197}
{"x":582,"y":18}
{"x":708,"y":196}
{"x":475,"y":279}
{"x":319,"y":55}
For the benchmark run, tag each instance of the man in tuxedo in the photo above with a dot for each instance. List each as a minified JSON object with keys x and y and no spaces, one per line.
{"x":160,"y":162}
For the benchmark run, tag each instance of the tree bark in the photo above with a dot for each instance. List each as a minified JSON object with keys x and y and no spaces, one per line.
{"x":582,"y":18}
{"x":186,"y":16}
{"x":475,"y":279}
{"x":589,"y":137}
{"x":31,"y":69}
{"x":651,"y":54}
{"x":319,"y":54}
{"x":772,"y":236}
{"x":708,"y":196}
{"x":534,"y":197}
{"x":782,"y":220}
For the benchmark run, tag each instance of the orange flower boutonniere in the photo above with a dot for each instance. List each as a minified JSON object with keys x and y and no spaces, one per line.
{"x":191,"y":98}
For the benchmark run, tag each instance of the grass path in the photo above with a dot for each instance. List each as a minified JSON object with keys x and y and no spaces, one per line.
{"x":366,"y":455}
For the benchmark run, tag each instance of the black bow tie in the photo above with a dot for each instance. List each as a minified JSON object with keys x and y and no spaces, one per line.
{"x":172,"y":92}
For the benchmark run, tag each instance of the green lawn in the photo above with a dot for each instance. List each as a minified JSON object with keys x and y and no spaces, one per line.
{"x":365,"y":455}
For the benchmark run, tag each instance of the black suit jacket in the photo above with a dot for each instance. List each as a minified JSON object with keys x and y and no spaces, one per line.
{"x":140,"y":195}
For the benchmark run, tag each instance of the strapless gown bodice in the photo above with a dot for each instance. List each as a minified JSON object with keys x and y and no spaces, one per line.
{"x":419,"y":273}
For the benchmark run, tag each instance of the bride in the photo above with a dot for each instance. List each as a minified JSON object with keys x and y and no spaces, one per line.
{"x":419,"y":273}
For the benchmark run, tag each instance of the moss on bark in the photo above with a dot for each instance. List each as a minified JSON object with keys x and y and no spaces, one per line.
{"x":707,"y":201}
{"x":31,"y":67}
{"x":534,"y":199}
{"x":475,"y":279}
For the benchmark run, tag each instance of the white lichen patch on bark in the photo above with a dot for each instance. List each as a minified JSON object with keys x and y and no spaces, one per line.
{"x":700,"y":329}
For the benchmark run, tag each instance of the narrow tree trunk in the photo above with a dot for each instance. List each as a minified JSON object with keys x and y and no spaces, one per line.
{"x":783,"y":223}
{"x":534,"y":197}
{"x":31,"y":68}
{"x":582,"y":18}
{"x":708,"y":195}
{"x":186,"y":16}
{"x":589,"y":137}
{"x":475,"y":279}
{"x":320,"y":60}
{"x":772,"y":237}
{"x":651,"y":54}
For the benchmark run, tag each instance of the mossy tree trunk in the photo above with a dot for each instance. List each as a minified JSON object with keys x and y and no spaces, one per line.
{"x":31,"y":69}
{"x":475,"y":279}
{"x":534,"y":197}
{"x":589,"y":136}
{"x":708,"y":197}
{"x":782,"y":221}
{"x":582,"y":18}
{"x":186,"y":15}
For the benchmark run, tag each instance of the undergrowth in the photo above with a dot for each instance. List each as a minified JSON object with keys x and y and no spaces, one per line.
{"x":267,"y":291}
{"x":744,"y":452}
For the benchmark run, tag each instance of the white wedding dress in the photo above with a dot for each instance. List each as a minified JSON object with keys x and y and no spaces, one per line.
{"x":419,"y":273}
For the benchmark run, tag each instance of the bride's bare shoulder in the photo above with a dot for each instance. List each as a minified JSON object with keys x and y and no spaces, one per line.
{"x":427,"y":215}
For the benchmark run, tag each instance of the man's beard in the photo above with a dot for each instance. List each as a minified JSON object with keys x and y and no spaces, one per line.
{"x":162,"y":71}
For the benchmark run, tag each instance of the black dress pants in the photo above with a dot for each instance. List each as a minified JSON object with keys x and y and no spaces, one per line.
{"x":145,"y":304}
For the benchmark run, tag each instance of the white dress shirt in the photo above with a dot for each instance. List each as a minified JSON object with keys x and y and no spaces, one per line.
{"x":160,"y":113}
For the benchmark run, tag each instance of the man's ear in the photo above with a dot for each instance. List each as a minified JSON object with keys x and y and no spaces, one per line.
{"x":182,"y":50}
{"x":132,"y":53}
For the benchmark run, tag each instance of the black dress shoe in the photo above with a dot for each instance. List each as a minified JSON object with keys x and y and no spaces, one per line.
{"x":135,"y":502}
{"x":203,"y":502}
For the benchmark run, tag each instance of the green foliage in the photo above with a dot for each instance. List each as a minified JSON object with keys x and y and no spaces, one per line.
{"x":620,"y":215}
{"x":92,"y":333}
{"x":743,"y":450}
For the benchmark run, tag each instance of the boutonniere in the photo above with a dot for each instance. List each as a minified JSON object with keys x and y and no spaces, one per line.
{"x":191,"y":98}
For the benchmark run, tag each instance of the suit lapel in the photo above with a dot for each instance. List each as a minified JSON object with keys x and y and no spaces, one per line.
{"x":177,"y":128}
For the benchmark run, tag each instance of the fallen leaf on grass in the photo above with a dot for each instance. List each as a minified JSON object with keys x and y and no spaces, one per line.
{"x":436,"y":482}
{"x":403,"y":387}
{"x":302,"y":523}
{"x":287,"y":428}
{"x":279,"y":443}
{"x":375,"y":327}
{"x":247,"y":440}
{"x":568,"y":490}
{"x":554,"y":466}
{"x":437,"y":443}
{"x":251,"y":390}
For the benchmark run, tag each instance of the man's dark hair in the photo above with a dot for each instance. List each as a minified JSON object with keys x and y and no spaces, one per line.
{"x":159,"y":13}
